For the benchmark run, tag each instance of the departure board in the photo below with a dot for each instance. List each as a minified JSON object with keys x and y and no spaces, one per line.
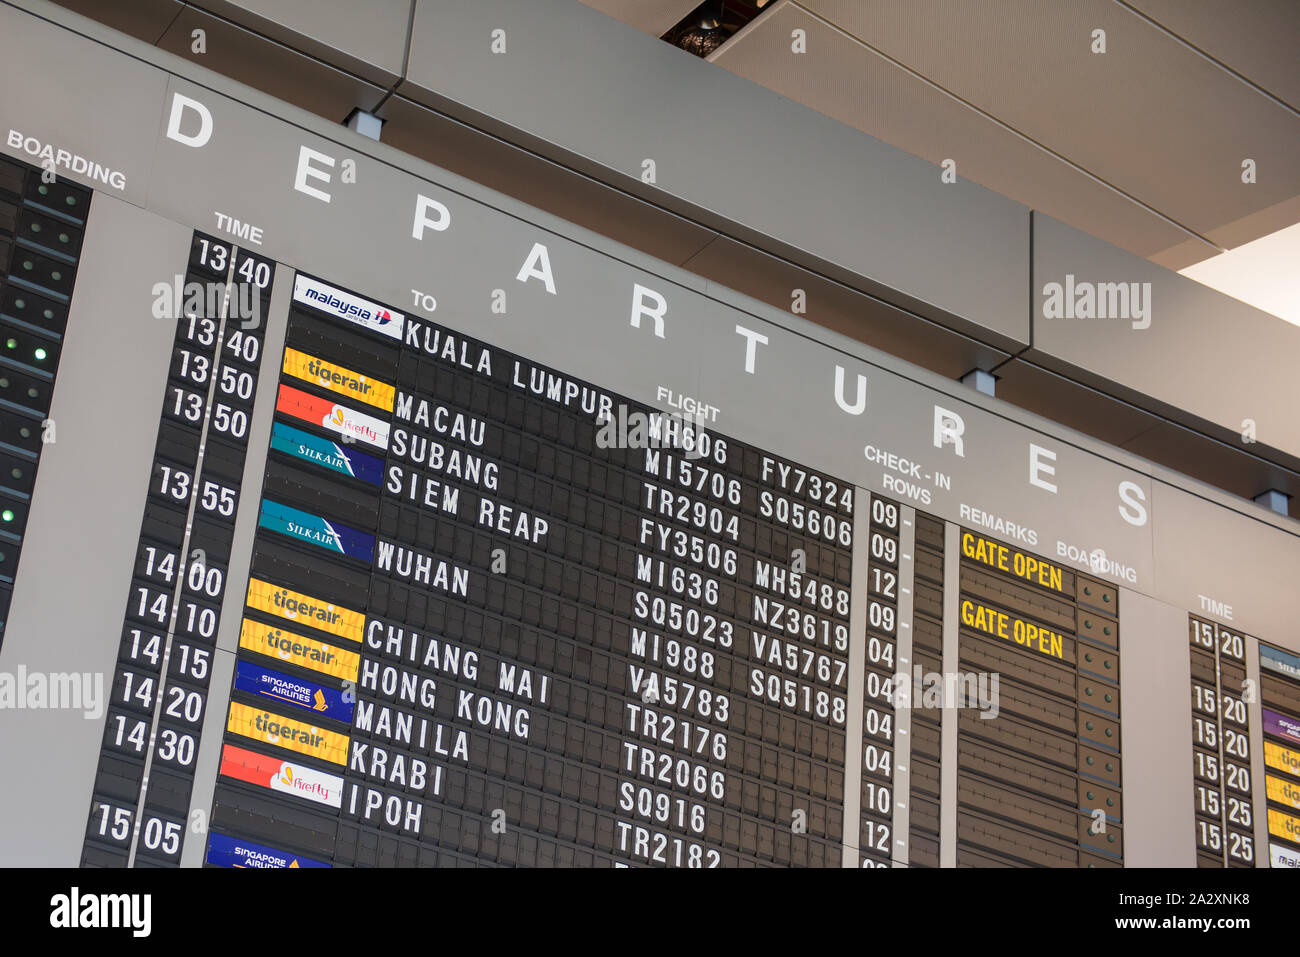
{"x":1225,"y":815}
{"x":1039,"y":767}
{"x":413,"y":526}
{"x":41,"y":226}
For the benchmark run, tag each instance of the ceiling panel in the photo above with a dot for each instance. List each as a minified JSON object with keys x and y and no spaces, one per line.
{"x":1151,"y":115}
{"x":857,"y":86}
{"x":1260,"y":39}
{"x":654,"y":17}
{"x":270,"y":67}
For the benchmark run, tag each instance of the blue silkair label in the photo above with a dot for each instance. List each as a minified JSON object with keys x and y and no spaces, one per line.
{"x":317,"y":698}
{"x":1280,"y":661}
{"x":331,"y":536}
{"x":231,"y":852}
{"x":327,"y":454}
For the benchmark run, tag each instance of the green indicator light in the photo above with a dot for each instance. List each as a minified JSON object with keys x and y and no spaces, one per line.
{"x":40,"y":355}
{"x":7,"y":515}
{"x":11,"y":343}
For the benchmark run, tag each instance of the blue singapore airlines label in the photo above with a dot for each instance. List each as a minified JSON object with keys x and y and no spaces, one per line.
{"x":231,"y":852}
{"x":317,"y":698}
{"x":331,"y":536}
{"x":327,"y":454}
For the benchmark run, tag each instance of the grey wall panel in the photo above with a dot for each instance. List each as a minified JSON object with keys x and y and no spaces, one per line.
{"x":725,"y":262}
{"x":1123,"y":114}
{"x":1210,"y":555}
{"x":1156,"y":734}
{"x":856,"y":85}
{"x":1205,"y":353}
{"x":497,"y":165}
{"x":655,"y":17}
{"x":92,"y":127}
{"x":368,"y":39}
{"x":606,"y":96}
{"x":271,"y":66}
{"x":85,"y":522}
{"x":144,"y":19}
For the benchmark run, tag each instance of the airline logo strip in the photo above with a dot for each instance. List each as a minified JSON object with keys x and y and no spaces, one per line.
{"x":298,"y":650}
{"x":286,"y":777}
{"x":338,"y":379}
{"x":1280,"y":856}
{"x":1282,"y":758}
{"x":226,"y":851}
{"x":349,"y":423}
{"x":338,"y":304}
{"x":1283,"y":825}
{"x":1283,"y":792}
{"x":1274,"y":659}
{"x":268,"y":727}
{"x":314,"y":530}
{"x":328,"y":455}
{"x":1281,"y":726}
{"x":320,"y":699}
{"x":305,"y":610}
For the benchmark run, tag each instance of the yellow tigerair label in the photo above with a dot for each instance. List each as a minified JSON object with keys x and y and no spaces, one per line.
{"x":338,"y":379}
{"x":1281,"y":757}
{"x":298,"y":649}
{"x":1283,"y":825}
{"x":1283,"y":792}
{"x":306,"y":610}
{"x":1020,"y":564}
{"x":271,"y":728}
{"x":999,"y":624}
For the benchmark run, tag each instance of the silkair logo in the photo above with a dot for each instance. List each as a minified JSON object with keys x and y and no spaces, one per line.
{"x":76,"y":910}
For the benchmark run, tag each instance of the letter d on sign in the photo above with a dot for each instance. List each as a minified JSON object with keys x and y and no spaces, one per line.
{"x":179,"y":105}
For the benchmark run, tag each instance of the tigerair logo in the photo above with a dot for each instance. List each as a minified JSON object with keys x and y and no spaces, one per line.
{"x":330,"y":377}
{"x":273,"y":732}
{"x":293,"y":608}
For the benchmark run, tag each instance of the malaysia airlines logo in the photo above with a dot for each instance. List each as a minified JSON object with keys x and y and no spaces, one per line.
{"x":343,"y":305}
